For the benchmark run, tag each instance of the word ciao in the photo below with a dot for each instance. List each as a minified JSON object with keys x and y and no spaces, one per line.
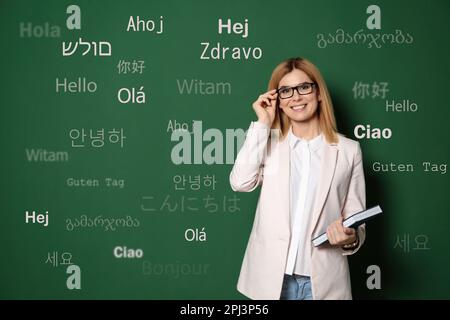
{"x":124,"y":252}
{"x":367,"y":132}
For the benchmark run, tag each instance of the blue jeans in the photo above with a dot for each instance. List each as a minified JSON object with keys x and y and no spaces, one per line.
{"x":296,"y":287}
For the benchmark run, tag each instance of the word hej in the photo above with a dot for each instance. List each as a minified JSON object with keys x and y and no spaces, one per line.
{"x":218,"y":52}
{"x":36,"y":218}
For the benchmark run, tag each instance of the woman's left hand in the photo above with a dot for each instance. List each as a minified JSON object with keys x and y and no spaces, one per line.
{"x":338,"y":235}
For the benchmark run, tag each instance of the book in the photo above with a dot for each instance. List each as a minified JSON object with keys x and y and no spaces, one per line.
{"x":353,"y":221}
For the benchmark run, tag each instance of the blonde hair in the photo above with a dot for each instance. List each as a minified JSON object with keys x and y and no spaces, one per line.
{"x":325,"y":111}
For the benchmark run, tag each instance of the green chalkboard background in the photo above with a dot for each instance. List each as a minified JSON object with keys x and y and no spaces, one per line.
{"x":35,"y":116}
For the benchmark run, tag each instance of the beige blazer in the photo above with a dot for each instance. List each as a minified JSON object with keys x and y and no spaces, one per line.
{"x":264,"y":160}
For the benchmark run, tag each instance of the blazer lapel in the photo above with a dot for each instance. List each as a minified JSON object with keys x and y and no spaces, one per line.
{"x":328,"y":166}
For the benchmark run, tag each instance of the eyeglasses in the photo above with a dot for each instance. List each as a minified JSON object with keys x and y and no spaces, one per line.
{"x":302,"y":89}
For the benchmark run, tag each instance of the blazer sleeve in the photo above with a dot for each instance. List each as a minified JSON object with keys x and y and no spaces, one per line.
{"x":356,"y":196}
{"x":247,"y":172}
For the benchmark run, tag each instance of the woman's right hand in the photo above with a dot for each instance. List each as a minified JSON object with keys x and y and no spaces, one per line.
{"x":265,"y":106}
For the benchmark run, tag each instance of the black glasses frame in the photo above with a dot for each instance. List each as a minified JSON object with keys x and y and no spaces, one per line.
{"x":313,"y":84}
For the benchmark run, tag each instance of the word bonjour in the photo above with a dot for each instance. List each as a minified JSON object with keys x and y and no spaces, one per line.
{"x":175,"y":270}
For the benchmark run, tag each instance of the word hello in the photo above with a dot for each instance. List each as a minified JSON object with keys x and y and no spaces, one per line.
{"x":362,"y":131}
{"x":79,"y":86}
{"x":124,"y":252}
{"x":38,"y":31}
{"x":136,"y":24}
{"x":39,"y":218}
{"x":404,"y":106}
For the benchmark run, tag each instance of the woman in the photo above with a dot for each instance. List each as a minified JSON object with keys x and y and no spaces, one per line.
{"x":311,"y":178}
